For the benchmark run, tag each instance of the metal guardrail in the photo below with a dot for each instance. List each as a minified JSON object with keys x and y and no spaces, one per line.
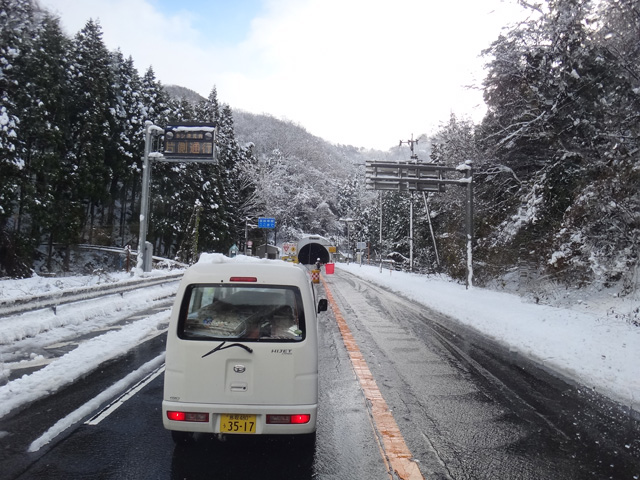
{"x":53,"y":300}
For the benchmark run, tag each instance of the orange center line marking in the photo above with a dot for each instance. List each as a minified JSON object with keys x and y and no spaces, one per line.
{"x":396,"y":453}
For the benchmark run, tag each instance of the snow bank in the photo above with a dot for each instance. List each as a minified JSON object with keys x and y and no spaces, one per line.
{"x":77,"y":363}
{"x":598,"y":352}
{"x":37,"y":285}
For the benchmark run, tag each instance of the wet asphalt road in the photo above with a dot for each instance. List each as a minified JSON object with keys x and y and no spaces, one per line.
{"x":467,"y":409}
{"x":470,"y":409}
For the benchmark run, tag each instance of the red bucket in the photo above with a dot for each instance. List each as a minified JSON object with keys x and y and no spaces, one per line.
{"x":328,"y":268}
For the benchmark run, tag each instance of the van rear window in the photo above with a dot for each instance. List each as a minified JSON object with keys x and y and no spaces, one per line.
{"x":249,"y":313}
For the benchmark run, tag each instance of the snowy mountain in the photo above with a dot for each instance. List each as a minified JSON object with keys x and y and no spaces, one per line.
{"x":179,"y":93}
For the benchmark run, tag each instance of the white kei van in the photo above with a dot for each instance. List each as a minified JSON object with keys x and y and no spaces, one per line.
{"x":242,"y":350}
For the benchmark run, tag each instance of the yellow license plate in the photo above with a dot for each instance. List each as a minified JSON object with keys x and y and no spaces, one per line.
{"x":237,"y":423}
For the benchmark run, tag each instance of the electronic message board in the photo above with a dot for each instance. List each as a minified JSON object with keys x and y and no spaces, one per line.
{"x":190,"y":141}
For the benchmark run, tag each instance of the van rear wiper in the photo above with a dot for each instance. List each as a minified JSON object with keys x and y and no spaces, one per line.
{"x":221,"y":347}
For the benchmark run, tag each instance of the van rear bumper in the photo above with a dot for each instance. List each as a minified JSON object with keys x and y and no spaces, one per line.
{"x":260,"y":411}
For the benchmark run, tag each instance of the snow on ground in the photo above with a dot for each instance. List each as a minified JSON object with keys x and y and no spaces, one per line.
{"x":28,"y":335}
{"x":36,"y":285}
{"x":587,"y":344}
{"x":77,"y":363}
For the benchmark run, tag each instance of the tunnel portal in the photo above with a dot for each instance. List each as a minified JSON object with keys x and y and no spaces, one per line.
{"x":313,"y":247}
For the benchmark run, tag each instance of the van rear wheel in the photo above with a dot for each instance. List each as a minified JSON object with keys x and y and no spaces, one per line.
{"x":182,"y":438}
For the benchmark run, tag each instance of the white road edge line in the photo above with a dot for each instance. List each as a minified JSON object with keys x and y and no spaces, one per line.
{"x":113,"y":406}
{"x":152,"y":367}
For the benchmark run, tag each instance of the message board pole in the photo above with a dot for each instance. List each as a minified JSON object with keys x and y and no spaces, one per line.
{"x":143,"y":262}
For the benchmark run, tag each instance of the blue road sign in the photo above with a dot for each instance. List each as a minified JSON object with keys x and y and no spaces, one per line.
{"x":266,"y":222}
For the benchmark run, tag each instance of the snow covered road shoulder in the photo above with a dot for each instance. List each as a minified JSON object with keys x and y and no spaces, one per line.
{"x":599,"y":352}
{"x":26,"y":340}
{"x":84,"y":359}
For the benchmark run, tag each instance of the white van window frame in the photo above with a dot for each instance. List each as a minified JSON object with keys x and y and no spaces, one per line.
{"x":260,"y":320}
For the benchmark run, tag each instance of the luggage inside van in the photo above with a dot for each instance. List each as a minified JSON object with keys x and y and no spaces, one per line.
{"x":242,"y":354}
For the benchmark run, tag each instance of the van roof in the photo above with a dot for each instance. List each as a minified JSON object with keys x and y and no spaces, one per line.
{"x":217,"y":268}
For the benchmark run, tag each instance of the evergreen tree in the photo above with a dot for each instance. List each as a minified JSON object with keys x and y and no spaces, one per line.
{"x":561,"y":97}
{"x":44,"y":103}
{"x":232,"y":156}
{"x":216,"y":223}
{"x":89,"y":173}
{"x":17,"y":19}
{"x":208,"y":111}
{"x":155,"y":101}
{"x":181,"y":111}
{"x":126,"y":146}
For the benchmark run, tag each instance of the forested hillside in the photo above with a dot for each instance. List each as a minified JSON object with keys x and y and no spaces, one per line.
{"x":71,"y":143}
{"x":556,"y":157}
{"x":561,"y":144}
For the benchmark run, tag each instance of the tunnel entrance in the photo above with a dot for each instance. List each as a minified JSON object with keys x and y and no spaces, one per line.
{"x":311,"y":252}
{"x":310,"y":248}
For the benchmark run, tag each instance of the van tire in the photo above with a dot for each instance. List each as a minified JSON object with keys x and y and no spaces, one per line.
{"x":182,"y":438}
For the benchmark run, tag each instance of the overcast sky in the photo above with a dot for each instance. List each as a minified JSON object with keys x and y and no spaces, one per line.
{"x":360,"y":72}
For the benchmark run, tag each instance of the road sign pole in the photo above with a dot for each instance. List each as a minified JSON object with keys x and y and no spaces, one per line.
{"x":411,"y":231}
{"x":469,"y":178}
{"x":267,"y":223}
{"x":183,"y":143}
{"x":142,"y":262}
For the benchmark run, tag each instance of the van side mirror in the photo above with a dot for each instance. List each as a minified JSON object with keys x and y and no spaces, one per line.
{"x":322,"y":305}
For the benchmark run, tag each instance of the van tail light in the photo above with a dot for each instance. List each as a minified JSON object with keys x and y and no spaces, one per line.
{"x":188,"y":416}
{"x":243,"y":279}
{"x":300,"y":419}
{"x":297,"y":419}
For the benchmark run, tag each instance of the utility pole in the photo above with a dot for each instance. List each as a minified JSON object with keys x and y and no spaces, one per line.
{"x":414,"y":157}
{"x":411,"y":231}
{"x":411,"y":143}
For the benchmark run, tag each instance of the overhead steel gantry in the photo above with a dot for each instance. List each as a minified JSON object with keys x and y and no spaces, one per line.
{"x":424,"y":177}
